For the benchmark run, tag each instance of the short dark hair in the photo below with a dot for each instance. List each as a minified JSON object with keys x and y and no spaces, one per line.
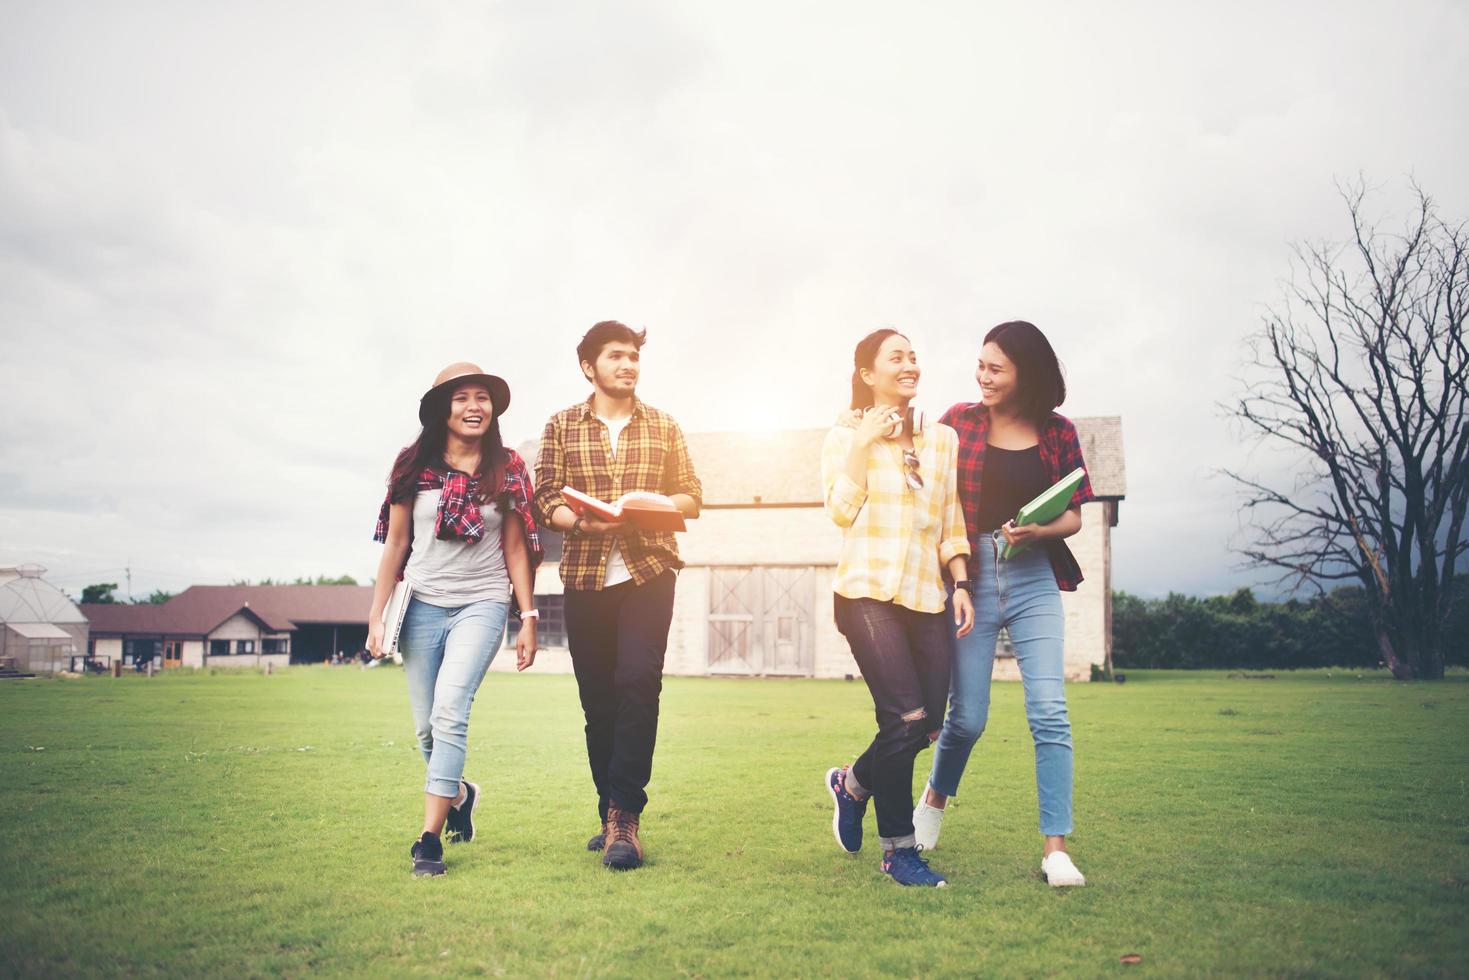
{"x":604,"y":333}
{"x":863,"y":358}
{"x":1040,"y":384}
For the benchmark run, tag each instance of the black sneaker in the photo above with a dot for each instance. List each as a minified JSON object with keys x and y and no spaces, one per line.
{"x":459,"y":827}
{"x":428,"y":856}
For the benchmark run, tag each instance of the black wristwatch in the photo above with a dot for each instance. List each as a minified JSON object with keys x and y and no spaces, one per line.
{"x":966,"y":586}
{"x":576,"y":530}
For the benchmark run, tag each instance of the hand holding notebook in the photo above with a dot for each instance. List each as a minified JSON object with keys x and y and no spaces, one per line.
{"x":1045,"y":508}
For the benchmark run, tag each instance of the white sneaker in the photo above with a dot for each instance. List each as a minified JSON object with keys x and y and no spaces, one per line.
{"x":1060,"y":872}
{"x":926,"y":821}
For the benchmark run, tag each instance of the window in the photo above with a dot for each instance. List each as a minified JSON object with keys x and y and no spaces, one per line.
{"x":219,"y":648}
{"x":275,"y":644}
{"x":551,"y":631}
{"x":142,"y":650}
{"x":244,"y":646}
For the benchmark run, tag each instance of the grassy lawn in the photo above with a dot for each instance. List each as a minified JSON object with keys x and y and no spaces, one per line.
{"x":1307,"y":824}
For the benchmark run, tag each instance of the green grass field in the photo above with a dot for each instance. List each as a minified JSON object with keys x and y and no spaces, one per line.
{"x":252,"y":825}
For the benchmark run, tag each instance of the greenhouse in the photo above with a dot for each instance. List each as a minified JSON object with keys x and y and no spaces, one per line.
{"x":41,"y":630}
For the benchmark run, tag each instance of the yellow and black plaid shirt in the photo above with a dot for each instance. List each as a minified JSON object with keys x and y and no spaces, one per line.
{"x":651,"y":456}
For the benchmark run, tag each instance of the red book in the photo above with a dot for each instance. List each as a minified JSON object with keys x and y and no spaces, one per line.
{"x":643,"y":510}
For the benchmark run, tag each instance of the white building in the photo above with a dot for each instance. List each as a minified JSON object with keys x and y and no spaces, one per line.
{"x":755,"y":596}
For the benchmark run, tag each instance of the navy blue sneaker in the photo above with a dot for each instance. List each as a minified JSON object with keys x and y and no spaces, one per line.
{"x":907,"y":867}
{"x":846,"y":822}
{"x":459,"y":826}
{"x":428,"y":856}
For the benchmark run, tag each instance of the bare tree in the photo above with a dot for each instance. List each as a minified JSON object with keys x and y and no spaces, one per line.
{"x":1363,"y":369}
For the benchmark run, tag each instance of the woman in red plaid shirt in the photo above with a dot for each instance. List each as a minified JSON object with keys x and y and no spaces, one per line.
{"x":1012,"y":447}
{"x":457,"y":527}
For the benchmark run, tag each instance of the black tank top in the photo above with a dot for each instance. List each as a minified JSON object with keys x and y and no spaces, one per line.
{"x":1012,"y":478}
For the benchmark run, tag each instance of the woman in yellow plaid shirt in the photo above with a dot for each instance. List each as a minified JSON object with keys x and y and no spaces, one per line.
{"x":891,"y":486}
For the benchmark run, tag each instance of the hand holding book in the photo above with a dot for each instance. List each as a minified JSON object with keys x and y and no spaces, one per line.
{"x":1024,"y":530}
{"x":644,"y":511}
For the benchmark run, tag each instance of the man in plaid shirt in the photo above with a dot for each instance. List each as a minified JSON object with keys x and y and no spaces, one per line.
{"x":619,"y":581}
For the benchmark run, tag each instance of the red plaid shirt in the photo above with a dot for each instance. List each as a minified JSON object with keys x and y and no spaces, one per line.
{"x":459,"y":517}
{"x":1060,"y":451}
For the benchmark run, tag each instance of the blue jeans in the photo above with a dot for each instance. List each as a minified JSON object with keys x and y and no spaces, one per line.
{"x":1021,"y":595}
{"x":445,"y":655}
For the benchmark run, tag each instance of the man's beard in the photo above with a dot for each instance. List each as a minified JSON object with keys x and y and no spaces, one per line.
{"x":618,"y":392}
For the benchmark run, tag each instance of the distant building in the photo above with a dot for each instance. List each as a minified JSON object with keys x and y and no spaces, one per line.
{"x":235,"y":626}
{"x":755,"y":597}
{"x":40,"y":628}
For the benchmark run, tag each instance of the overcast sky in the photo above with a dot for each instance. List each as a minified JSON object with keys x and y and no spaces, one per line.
{"x":238,"y":241}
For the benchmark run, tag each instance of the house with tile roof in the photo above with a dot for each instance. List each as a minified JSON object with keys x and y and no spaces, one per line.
{"x":755,"y":596}
{"x":234,"y":626}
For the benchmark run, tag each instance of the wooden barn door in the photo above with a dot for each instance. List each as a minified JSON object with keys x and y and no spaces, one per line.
{"x":760,"y":621}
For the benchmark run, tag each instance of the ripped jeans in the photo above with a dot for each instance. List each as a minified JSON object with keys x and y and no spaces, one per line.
{"x":904,"y":657}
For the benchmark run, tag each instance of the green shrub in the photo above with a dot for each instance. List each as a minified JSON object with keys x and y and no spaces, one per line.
{"x":1240,"y":632}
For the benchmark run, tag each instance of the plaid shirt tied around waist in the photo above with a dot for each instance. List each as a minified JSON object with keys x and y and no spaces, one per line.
{"x":652,"y":456}
{"x":1060,"y":451}
{"x":896,"y":542}
{"x":459,"y":517}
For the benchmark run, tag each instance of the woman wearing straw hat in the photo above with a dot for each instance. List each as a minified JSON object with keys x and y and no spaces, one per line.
{"x":457,"y":527}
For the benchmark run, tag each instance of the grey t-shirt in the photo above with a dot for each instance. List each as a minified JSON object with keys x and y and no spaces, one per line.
{"x":455,"y":573}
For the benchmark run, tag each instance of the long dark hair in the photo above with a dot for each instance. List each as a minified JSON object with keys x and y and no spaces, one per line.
{"x":863,"y":358}
{"x":1040,"y":386}
{"x":428,"y":451}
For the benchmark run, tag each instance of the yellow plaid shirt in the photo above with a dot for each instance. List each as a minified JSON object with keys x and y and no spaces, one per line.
{"x":652,"y":455}
{"x":896,"y":541}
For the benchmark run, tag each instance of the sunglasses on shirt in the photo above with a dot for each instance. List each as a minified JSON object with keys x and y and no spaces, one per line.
{"x":910,"y":470}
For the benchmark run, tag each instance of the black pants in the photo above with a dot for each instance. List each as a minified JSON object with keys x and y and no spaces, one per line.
{"x":618,"y":637}
{"x":904,"y":657}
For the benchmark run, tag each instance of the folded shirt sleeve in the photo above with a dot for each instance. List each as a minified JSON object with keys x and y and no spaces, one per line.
{"x":681,"y":477}
{"x":550,"y":474}
{"x":955,"y":540}
{"x":1071,"y":458}
{"x":843,"y":498}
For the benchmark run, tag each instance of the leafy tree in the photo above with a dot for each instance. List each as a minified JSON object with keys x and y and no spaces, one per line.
{"x":304,"y":580}
{"x":156,"y":598}
{"x":1239,"y":631}
{"x":102,"y":592}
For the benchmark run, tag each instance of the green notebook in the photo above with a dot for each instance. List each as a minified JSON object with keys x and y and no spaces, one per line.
{"x":1047,"y":507}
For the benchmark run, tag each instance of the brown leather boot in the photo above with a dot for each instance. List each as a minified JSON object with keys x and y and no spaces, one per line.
{"x":623,"y":851}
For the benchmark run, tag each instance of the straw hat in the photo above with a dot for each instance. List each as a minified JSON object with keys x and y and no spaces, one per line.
{"x":456,"y":374}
